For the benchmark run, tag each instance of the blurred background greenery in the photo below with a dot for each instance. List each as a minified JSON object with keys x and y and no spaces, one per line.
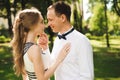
{"x":102,"y":27}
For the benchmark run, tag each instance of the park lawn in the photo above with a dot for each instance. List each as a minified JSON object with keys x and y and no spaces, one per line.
{"x":106,"y":60}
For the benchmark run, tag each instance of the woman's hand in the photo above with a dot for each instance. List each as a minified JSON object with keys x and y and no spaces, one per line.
{"x":43,"y":41}
{"x":63,"y":53}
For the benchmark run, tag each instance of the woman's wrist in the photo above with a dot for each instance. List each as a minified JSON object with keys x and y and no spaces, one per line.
{"x":45,"y":47}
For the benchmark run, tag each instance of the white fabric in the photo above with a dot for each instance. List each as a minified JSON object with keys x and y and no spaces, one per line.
{"x":29,"y":65}
{"x":78,"y":65}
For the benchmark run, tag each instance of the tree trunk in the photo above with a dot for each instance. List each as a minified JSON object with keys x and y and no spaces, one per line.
{"x":23,"y":4}
{"x":106,"y":25}
{"x":117,"y":6}
{"x":14,"y":6}
{"x":7,"y":4}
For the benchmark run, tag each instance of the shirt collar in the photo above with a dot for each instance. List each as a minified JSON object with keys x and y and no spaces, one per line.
{"x":66,"y":31}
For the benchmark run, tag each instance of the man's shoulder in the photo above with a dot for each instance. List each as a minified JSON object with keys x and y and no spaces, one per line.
{"x":79,"y":35}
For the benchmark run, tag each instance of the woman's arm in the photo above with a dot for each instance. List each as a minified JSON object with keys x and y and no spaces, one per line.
{"x":38,"y":63}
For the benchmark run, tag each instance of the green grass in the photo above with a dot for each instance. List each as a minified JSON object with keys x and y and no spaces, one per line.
{"x":106,"y":60}
{"x":6,"y":64}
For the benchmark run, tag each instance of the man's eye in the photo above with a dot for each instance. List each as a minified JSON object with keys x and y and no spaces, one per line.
{"x":50,"y":20}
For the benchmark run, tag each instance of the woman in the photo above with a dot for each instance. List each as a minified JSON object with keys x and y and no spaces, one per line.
{"x":28,"y":56}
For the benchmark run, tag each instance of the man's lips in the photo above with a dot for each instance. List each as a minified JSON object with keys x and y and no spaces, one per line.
{"x":52,"y":27}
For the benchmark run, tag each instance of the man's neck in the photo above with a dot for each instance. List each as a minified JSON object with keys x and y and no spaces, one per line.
{"x":65,"y":28}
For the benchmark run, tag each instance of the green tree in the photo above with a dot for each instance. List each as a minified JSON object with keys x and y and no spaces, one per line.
{"x":6,"y":12}
{"x":116,"y":6}
{"x":97,"y":21}
{"x":42,"y":5}
{"x":114,"y":23}
{"x":77,"y":15}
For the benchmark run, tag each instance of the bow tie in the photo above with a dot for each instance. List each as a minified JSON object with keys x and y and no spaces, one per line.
{"x":63,"y":35}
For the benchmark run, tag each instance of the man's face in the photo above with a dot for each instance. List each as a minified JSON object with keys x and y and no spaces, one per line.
{"x":54,"y":21}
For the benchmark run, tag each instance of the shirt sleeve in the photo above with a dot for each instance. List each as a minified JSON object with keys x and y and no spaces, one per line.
{"x":85,"y":60}
{"x":46,"y":51}
{"x":48,"y":57}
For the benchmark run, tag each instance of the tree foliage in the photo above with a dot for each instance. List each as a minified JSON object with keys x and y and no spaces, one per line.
{"x":97,"y":21}
{"x":113,"y":23}
{"x":116,"y":6}
{"x":77,"y":16}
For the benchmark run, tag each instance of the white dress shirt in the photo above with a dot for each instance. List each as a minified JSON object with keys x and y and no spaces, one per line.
{"x":78,"y":65}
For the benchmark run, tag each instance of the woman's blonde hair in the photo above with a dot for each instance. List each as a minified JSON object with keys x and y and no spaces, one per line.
{"x":22,"y":25}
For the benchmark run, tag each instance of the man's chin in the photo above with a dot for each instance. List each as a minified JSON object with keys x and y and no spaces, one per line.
{"x":53,"y":31}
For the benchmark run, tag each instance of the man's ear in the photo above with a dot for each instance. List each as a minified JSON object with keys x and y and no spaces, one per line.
{"x":63,"y":18}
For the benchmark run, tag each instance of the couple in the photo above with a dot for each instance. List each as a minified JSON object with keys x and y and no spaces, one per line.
{"x":71,"y":57}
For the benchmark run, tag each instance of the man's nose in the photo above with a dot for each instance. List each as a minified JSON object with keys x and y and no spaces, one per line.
{"x":49,"y":24}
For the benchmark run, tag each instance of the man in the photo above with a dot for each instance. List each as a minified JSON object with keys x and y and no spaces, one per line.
{"x":78,"y":65}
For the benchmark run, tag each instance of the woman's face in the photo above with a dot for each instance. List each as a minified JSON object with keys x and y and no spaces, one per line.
{"x":40,"y":26}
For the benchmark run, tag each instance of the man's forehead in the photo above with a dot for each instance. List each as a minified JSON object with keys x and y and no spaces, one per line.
{"x":51,"y":12}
